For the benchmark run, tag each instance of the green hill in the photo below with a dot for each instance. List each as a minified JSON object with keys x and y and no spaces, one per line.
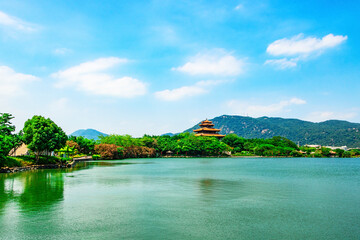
{"x":328,"y":133}
{"x":88,"y":133}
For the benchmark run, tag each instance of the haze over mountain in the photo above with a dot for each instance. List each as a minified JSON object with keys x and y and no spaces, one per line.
{"x":88,"y":133}
{"x":330,"y":133}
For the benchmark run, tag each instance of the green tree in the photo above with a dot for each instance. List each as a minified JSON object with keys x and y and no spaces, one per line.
{"x":8,"y":140}
{"x":42,"y":135}
{"x":86,"y":146}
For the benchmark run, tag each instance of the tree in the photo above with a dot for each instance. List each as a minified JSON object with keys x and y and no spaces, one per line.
{"x":8,"y":140}
{"x":42,"y":135}
{"x":86,"y":145}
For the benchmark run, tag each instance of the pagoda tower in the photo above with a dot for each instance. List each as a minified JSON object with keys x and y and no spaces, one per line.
{"x":207,"y":129}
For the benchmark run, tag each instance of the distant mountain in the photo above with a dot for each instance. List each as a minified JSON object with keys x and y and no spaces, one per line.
{"x":88,"y":133}
{"x":328,"y":133}
{"x":169,"y":134}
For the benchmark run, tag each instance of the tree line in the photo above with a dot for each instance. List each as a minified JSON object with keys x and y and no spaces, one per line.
{"x":43,"y":137}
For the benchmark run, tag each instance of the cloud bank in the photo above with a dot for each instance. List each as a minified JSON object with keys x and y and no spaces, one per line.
{"x":299,"y":48}
{"x":13,"y":83}
{"x":15,"y":23}
{"x":90,"y":77}
{"x":215,"y":62}
{"x":243,"y":107}
{"x":176,"y":94}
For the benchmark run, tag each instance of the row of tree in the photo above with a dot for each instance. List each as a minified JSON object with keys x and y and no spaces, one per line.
{"x":280,"y":146}
{"x":42,"y":136}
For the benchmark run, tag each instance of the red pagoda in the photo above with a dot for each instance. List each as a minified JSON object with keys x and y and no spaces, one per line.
{"x":207,"y":129}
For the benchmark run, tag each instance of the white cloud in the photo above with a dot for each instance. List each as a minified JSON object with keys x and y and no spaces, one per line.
{"x":199,"y":88}
{"x":328,"y":115}
{"x":13,"y":83}
{"x":298,"y":45}
{"x":243,"y":107}
{"x":215,"y":62}
{"x":90,"y":77}
{"x":282,"y":63}
{"x":179,"y":93}
{"x":15,"y":23}
{"x":301,"y":48}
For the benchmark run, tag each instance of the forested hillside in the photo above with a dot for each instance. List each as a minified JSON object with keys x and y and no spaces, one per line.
{"x":332,"y":132}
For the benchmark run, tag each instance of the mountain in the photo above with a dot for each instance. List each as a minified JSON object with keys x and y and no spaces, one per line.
{"x":328,"y":133}
{"x":88,"y":133}
{"x":169,"y":134}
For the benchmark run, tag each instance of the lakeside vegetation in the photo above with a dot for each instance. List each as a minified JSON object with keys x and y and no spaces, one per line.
{"x":331,"y":132}
{"x":44,"y":139}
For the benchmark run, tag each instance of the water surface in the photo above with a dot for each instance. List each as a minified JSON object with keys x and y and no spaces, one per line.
{"x":209,"y":198}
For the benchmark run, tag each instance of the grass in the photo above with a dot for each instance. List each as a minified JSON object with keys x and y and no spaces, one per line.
{"x":21,"y":161}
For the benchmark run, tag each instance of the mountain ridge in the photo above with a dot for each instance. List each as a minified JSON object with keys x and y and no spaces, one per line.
{"x":330,"y":132}
{"x":88,"y":133}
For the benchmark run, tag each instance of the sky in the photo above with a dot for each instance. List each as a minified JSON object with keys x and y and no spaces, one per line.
{"x":153,"y":67}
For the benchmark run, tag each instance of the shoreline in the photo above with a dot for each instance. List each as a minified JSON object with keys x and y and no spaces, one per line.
{"x":73,"y":163}
{"x":31,"y":168}
{"x":43,"y":166}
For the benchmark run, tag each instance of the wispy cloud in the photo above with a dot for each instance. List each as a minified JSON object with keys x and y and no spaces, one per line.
{"x":15,"y":23}
{"x":282,"y":63}
{"x":13,"y":83}
{"x":62,"y":51}
{"x":328,"y":115}
{"x":91,"y":78}
{"x":300,"y":48}
{"x":244,"y":107}
{"x":199,"y":88}
{"x":179,"y":93}
{"x":239,"y":7}
{"x":215,"y":62}
{"x":298,"y":45}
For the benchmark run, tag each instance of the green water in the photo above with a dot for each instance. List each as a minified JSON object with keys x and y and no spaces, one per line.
{"x":261,"y":198}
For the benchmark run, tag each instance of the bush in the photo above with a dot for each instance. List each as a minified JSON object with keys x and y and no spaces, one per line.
{"x":107,"y":151}
{"x":139,"y":152}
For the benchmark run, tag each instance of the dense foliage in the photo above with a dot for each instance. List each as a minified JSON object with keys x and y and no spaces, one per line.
{"x":149,"y":146}
{"x":84,"y":145}
{"x":42,"y":135}
{"x":328,"y":133}
{"x":8,"y":140}
{"x":280,"y":146}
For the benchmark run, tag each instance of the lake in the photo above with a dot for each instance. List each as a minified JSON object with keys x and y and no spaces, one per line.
{"x":192,"y":198}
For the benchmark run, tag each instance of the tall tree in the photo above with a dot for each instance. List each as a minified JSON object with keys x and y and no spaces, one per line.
{"x":8,"y":140}
{"x":43,"y":135}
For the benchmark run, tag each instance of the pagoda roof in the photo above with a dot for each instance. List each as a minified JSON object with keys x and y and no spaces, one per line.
{"x":207,"y":121}
{"x":209,"y":134}
{"x":207,"y":129}
{"x":207,"y":124}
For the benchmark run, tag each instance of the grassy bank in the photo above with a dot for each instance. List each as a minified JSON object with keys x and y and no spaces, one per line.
{"x":23,"y":161}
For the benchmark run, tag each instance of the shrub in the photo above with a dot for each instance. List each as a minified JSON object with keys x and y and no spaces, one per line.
{"x":73,"y":144}
{"x":107,"y":151}
{"x":139,"y":152}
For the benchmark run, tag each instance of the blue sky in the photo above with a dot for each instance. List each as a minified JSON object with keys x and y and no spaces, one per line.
{"x":136,"y":67}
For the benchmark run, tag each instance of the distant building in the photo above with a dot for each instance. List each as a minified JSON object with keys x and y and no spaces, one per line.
{"x":313,"y":146}
{"x":23,"y":150}
{"x":345,"y":148}
{"x":19,"y":151}
{"x":207,"y":129}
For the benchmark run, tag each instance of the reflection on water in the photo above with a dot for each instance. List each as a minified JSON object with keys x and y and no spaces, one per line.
{"x":220,"y":189}
{"x":42,"y":188}
{"x":185,"y":199}
{"x":32,"y":191}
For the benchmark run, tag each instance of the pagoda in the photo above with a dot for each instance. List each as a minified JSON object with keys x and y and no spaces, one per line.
{"x":207,"y":129}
